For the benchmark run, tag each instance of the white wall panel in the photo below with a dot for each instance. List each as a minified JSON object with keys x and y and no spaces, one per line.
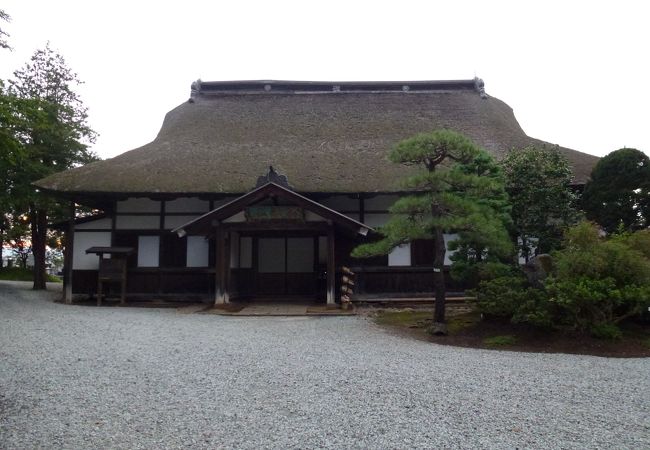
{"x":82,"y":242}
{"x":99,"y":224}
{"x":449,"y":238}
{"x":148,"y":251}
{"x":376,"y":220}
{"x":138,"y":205}
{"x":198,"y":250}
{"x":379,"y":202}
{"x":137,"y":222}
{"x":400,"y":256}
{"x":172,"y":222}
{"x":187,"y":204}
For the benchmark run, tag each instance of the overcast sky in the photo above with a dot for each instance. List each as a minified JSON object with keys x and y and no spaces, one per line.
{"x":574,"y":72}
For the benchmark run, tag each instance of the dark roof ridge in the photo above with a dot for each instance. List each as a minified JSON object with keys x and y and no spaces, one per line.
{"x":245,"y":87}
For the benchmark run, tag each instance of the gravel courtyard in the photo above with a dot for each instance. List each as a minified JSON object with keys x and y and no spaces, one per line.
{"x":85,"y":377}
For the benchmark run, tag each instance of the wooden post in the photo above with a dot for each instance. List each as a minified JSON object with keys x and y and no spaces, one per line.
{"x":222,"y":265}
{"x":331,"y":267}
{"x":69,"y":256}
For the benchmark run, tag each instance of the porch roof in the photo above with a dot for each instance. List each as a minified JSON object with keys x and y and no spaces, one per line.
{"x":206,"y":223}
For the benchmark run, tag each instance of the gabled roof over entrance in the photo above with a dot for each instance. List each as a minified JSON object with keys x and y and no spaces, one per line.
{"x":325,"y":136}
{"x":205,"y":224}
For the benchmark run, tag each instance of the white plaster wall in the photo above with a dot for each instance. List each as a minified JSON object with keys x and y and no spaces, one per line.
{"x":400,"y":256}
{"x":148,"y":251}
{"x":449,"y":238}
{"x":376,"y":220}
{"x":198,"y":250}
{"x":172,"y":222}
{"x":100,"y":224}
{"x":137,"y":222}
{"x":246,"y":252}
{"x":187,"y":204}
{"x":139,"y":204}
{"x":82,"y":242}
{"x":379,"y":202}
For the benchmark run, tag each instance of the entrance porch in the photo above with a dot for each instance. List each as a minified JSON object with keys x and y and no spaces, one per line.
{"x":276,"y":244}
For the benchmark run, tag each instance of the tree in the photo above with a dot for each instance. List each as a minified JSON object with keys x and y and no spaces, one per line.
{"x":472,"y":259}
{"x":3,"y":34}
{"x":619,"y":191}
{"x":54,"y":136}
{"x":538,"y":182}
{"x":451,"y":198}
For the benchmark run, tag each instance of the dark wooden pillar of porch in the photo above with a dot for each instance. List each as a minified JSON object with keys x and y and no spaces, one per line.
{"x":68,"y":257}
{"x":222,"y":269}
{"x":331,"y":267}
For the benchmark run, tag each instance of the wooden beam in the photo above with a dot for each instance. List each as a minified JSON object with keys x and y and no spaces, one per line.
{"x":69,"y":256}
{"x":331,"y":267}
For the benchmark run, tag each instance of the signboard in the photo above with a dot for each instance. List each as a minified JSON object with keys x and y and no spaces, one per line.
{"x":274,"y":213}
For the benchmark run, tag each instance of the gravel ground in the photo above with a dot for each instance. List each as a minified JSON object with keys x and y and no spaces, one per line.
{"x":84,"y":377}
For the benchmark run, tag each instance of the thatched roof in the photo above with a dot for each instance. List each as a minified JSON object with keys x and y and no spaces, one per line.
{"x":324,"y":136}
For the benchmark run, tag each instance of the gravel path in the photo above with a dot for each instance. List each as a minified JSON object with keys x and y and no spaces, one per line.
{"x":83,"y":377}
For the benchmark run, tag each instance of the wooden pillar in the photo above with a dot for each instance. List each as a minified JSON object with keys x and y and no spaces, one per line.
{"x":331,"y":267}
{"x":222,"y":268}
{"x":69,"y":256}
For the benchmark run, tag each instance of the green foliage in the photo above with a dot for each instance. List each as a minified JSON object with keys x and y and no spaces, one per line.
{"x":599,"y":281}
{"x":606,"y":331}
{"x":45,"y":130}
{"x":596,"y":283}
{"x":452,"y":196}
{"x":538,"y":183}
{"x":619,"y":191}
{"x":22,"y":274}
{"x":512,"y":298}
{"x":500,"y":341}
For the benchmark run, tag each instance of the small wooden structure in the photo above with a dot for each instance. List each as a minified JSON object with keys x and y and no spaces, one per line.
{"x":111,"y":270}
{"x":347,"y":289}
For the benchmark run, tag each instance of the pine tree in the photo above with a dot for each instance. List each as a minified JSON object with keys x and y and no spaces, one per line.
{"x":452,"y":196}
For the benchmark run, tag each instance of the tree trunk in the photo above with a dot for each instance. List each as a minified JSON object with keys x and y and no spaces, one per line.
{"x":439,"y":282}
{"x":2,"y":242}
{"x":39,"y":239}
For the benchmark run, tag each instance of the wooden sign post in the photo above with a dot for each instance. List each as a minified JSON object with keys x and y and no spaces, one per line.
{"x":347,"y":287}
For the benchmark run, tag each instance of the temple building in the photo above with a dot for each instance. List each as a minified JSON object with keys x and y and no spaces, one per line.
{"x":260,"y":189}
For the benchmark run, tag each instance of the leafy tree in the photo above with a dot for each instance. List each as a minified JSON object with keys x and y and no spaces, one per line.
{"x":451,"y":197}
{"x":538,"y":182}
{"x":619,"y":191}
{"x":472,"y":259}
{"x":54,"y":135}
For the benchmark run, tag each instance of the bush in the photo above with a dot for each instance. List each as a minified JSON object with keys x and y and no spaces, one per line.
{"x":600,"y":281}
{"x":513,"y":299}
{"x":606,"y":331}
